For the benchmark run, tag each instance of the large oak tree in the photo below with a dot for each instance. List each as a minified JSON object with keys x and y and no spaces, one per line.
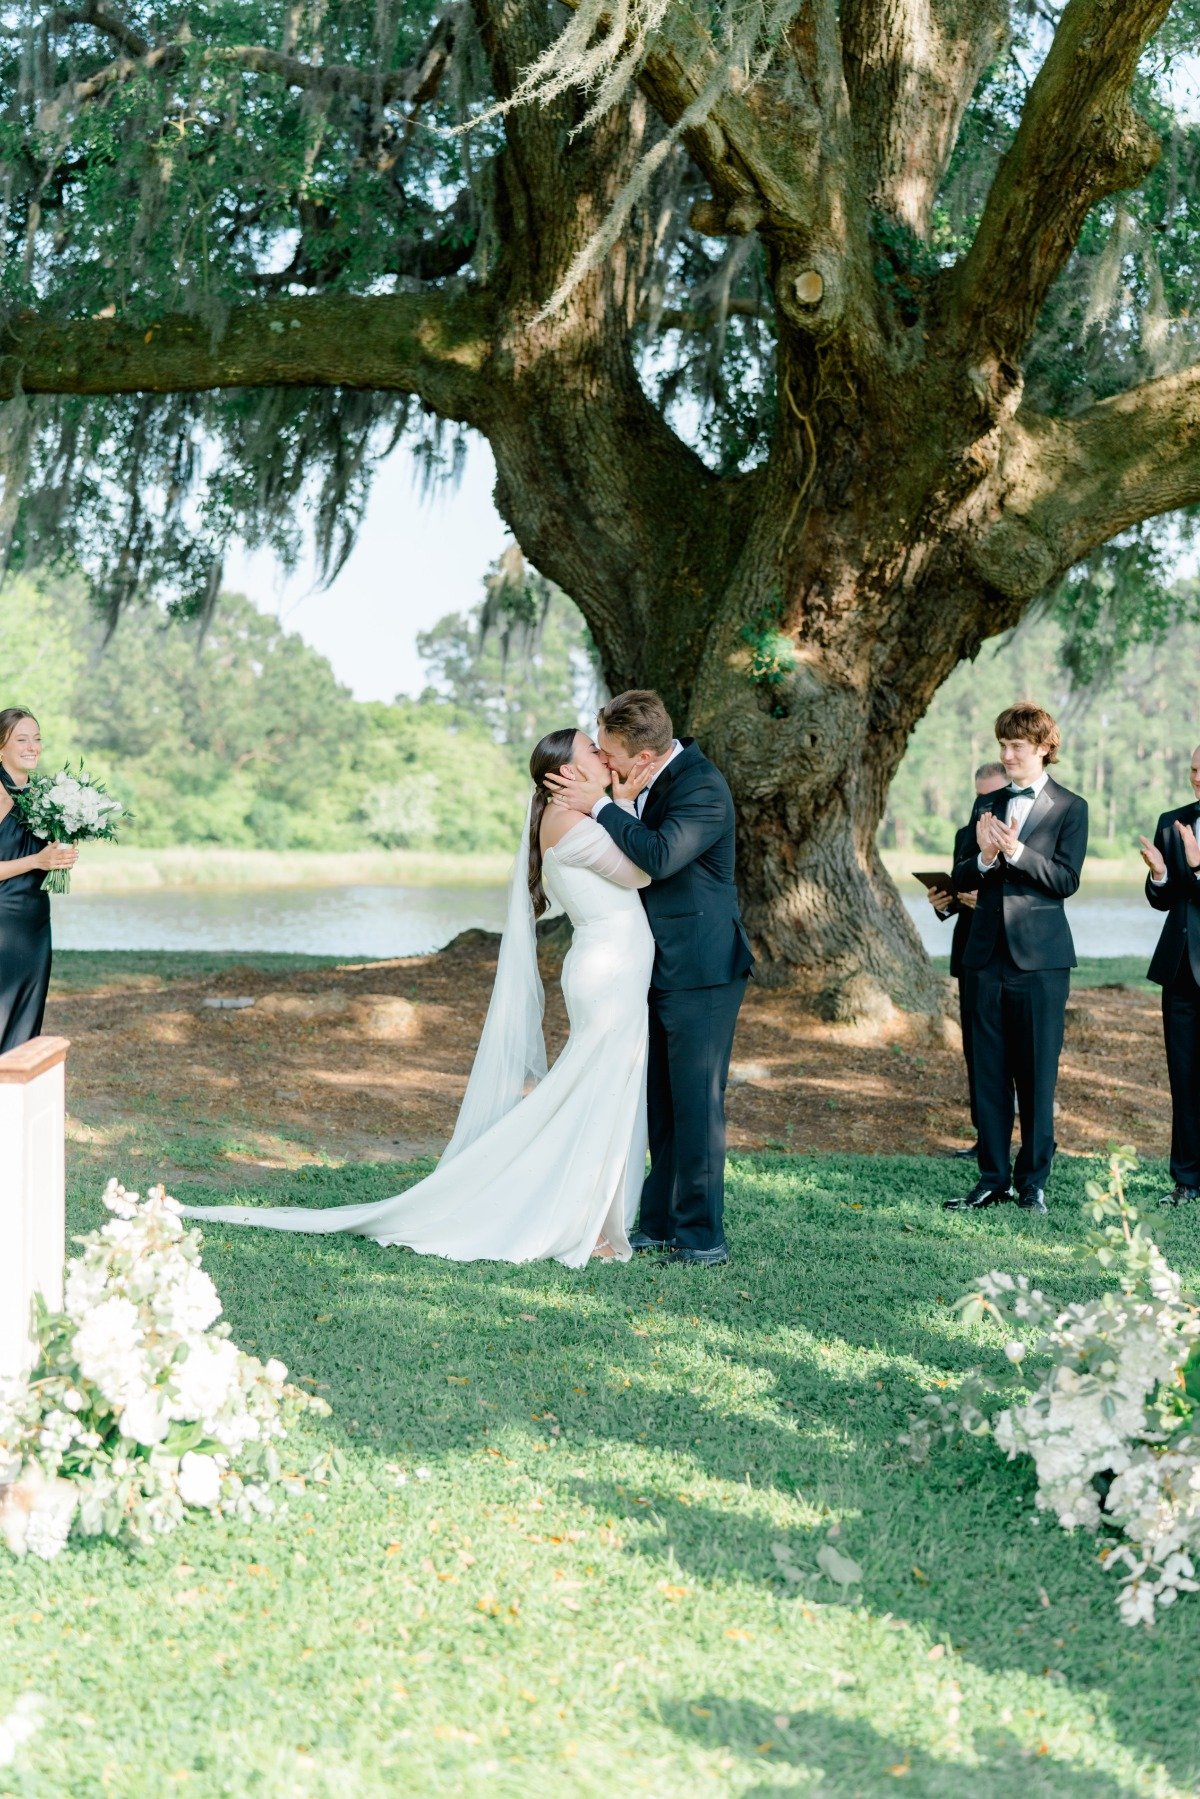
{"x":809,"y":338}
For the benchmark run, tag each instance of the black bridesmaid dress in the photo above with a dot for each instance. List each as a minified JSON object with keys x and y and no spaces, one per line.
{"x":24,"y":934}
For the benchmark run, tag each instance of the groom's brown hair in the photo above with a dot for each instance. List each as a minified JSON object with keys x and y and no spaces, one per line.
{"x":639,"y":719}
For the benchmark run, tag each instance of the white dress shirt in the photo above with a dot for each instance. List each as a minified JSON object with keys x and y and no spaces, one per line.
{"x":640,"y":801}
{"x":1017,"y":812}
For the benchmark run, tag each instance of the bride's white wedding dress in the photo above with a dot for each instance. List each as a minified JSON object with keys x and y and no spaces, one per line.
{"x":547,"y":1174}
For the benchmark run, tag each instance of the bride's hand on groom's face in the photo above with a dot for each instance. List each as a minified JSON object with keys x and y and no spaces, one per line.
{"x":575,"y":790}
{"x":628,"y":787}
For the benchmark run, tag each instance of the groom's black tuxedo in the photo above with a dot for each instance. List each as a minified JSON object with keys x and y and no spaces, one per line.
{"x":1176,"y":968}
{"x":1018,"y":958}
{"x":684,"y":841}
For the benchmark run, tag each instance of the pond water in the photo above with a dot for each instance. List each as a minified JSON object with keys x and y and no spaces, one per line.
{"x":313,"y":921}
{"x":406,"y":921}
{"x":1114,"y":923}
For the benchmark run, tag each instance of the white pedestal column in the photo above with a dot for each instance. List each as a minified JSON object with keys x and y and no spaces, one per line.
{"x":32,"y":1189}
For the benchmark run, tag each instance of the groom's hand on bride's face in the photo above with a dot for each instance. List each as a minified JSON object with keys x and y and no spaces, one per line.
{"x":576,"y":790}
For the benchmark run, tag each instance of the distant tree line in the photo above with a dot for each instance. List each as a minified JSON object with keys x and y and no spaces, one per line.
{"x":240,"y":734}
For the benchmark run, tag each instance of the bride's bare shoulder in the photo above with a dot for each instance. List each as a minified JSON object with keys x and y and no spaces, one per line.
{"x":556,"y":822}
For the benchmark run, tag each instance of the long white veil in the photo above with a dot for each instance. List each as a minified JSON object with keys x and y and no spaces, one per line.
{"x":512,"y":1049}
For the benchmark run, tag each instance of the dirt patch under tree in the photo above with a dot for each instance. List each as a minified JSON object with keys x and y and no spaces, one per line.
{"x":368,"y":1061}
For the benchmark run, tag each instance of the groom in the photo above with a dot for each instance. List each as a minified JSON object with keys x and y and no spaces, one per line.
{"x":682,"y":835}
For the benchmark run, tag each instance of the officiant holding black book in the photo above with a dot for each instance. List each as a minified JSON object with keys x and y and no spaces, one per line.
{"x":1173,"y":887}
{"x":1031,"y":838}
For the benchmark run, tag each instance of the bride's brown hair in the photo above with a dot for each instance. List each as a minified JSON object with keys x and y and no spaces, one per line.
{"x":553,"y":752}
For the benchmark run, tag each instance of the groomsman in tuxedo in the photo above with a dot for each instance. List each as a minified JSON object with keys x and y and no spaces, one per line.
{"x":1173,"y":887}
{"x":961,"y":907}
{"x":1031,"y":840}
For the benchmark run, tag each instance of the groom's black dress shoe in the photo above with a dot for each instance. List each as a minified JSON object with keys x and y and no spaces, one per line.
{"x":1032,"y":1199}
{"x":1180,"y":1196}
{"x":965,"y":1155}
{"x":979,"y":1198}
{"x":642,"y":1245}
{"x":701,"y":1258}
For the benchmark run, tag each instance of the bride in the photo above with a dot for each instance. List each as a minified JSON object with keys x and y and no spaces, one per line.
{"x":555,"y":1171}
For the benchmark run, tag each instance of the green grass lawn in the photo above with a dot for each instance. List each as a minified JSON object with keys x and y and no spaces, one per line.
{"x":1093,"y":971}
{"x":608,"y":1581}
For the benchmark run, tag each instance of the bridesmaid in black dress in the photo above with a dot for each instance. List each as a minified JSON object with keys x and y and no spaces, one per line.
{"x":24,"y":908}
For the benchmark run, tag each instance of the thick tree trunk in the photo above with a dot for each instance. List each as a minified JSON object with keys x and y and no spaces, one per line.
{"x":781,"y":640}
{"x":809,"y":726}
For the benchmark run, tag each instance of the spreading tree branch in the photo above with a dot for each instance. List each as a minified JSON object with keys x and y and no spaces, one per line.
{"x":106,"y":23}
{"x":414,"y":84}
{"x":434,"y":345}
{"x":1078,"y":140}
{"x":1069,"y":485}
{"x":707,"y":313}
{"x":911,"y":68}
{"x":778,"y":154}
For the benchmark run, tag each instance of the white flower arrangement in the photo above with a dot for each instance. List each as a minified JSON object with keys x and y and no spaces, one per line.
{"x":68,"y":808}
{"x":138,"y":1407}
{"x":1113,"y":1425}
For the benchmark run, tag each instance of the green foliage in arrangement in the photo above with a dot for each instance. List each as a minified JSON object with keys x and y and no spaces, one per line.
{"x":1127,"y":738}
{"x":666,"y":1532}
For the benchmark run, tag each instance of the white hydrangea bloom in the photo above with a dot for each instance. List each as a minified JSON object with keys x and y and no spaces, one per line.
{"x":187,"y":1301}
{"x":199,"y":1480}
{"x":107,"y":1345}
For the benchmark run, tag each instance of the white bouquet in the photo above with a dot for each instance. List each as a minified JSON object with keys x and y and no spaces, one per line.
{"x":1113,"y":1423}
{"x":67,"y":808}
{"x":138,"y":1407}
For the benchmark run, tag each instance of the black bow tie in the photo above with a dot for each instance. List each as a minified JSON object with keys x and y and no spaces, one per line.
{"x":1020,"y":793}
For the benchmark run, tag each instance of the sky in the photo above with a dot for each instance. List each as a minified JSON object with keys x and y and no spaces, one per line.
{"x":417,"y":558}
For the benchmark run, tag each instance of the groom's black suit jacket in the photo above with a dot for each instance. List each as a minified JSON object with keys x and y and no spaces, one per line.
{"x":1179,"y":898}
{"x":684,"y":841}
{"x":1023,"y":901}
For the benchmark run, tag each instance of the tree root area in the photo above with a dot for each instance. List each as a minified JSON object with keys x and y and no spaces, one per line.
{"x":368,"y":1062}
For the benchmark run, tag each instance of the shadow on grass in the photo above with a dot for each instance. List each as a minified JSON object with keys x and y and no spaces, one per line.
{"x":786,"y":1377}
{"x":847,"y":1755}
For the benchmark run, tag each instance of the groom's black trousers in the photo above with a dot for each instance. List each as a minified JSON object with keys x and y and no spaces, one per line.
{"x":1017,"y":1033}
{"x":691,"y":1039}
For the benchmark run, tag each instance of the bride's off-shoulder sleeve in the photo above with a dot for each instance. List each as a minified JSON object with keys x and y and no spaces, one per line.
{"x":586,"y":845}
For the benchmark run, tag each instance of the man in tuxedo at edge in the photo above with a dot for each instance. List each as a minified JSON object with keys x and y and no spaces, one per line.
{"x":989,"y":778}
{"x":1032,"y":838}
{"x":1173,"y":887}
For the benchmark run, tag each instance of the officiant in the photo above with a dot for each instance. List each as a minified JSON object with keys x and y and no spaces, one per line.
{"x":1031,"y":838}
{"x":989,"y":777}
{"x":1173,"y":887}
